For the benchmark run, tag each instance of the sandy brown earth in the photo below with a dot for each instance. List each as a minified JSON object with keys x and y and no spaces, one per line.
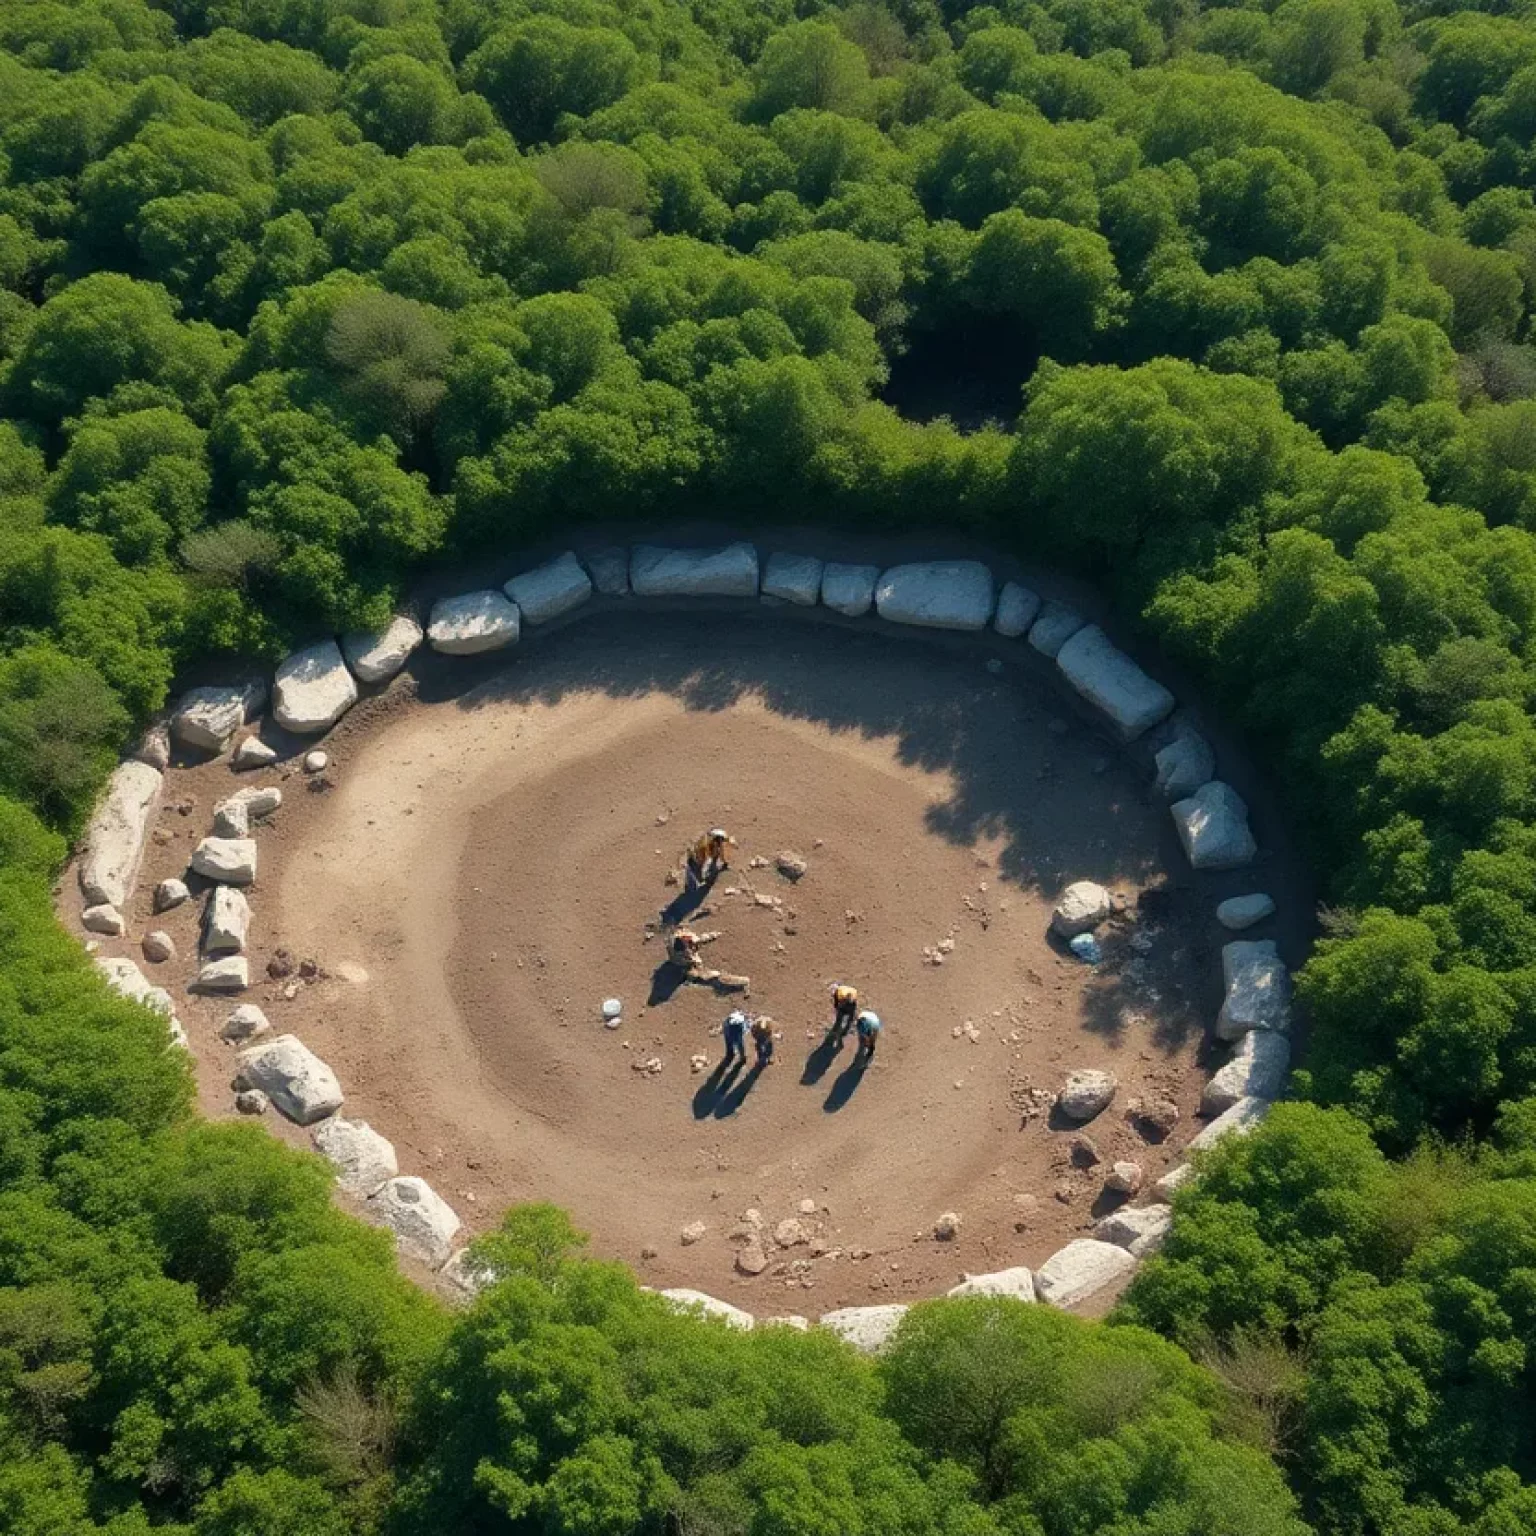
{"x":486,"y":860}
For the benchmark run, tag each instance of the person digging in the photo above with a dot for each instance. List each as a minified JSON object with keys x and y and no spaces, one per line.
{"x":707,"y":857}
{"x":845,"y":1008}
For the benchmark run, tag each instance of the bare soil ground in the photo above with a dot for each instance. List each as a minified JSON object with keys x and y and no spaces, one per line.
{"x":486,"y":860}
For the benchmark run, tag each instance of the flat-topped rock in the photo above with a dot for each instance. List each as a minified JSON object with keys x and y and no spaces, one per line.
{"x":681,"y":1299}
{"x":313,"y":689}
{"x":207,"y":718}
{"x":378,"y":657}
{"x":1184,"y":765}
{"x":1018,"y":1282}
{"x":253,"y":752}
{"x":1239,"y":912}
{"x":1053,"y":627}
{"x":104,"y":919}
{"x":1213,"y":827}
{"x":1258,"y":984}
{"x":293,"y":1077}
{"x":547,"y":591}
{"x":246,"y":1022}
{"x":364,"y":1160}
{"x":471,"y":623}
{"x":1017,"y":609}
{"x":1260,"y":1061}
{"x":1083,"y":906}
{"x":937,"y":594}
{"x":229,"y":973}
{"x":610,"y":570}
{"x":227,"y":921}
{"x":1084,"y":1267}
{"x":1087,"y":1092}
{"x":127,"y":980}
{"x":229,"y":860}
{"x":655,"y":571}
{"x":868,"y":1329}
{"x":1244,"y":1117}
{"x":1113,"y":683}
{"x":424,"y":1224}
{"x":793,"y":578}
{"x":848,"y":589}
{"x":114,"y":841}
{"x":1139,"y":1229}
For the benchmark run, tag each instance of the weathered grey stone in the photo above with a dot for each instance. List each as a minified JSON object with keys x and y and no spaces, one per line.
{"x":1017,"y":1282}
{"x":1113,"y":683}
{"x":1257,"y":1070}
{"x":1055,"y":625}
{"x":1083,"y":906}
{"x":252,"y":1101}
{"x":229,"y":973}
{"x":170,"y":893}
{"x":1086,"y":1093}
{"x":1239,"y":912}
{"x":473,"y":622}
{"x":103,"y":918}
{"x":316,"y":762}
{"x":377,"y":657}
{"x":423,"y":1222}
{"x":114,"y":841}
{"x":610,"y":570}
{"x":293,"y":1077}
{"x":868,"y":1329}
{"x":231,"y":818}
{"x":158,"y":946}
{"x":259,"y":803}
{"x":154,"y":747}
{"x":848,"y":589}
{"x":1017,"y":608}
{"x":1076,"y":1272}
{"x":227,"y":921}
{"x":556,"y":587}
{"x":1258,"y":989}
{"x":728,"y":572}
{"x":363,"y":1159}
{"x":1184,"y":765}
{"x":313,"y":689}
{"x":794,"y":578}
{"x":247,"y":1022}
{"x":1175,"y":1179}
{"x":209,"y":717}
{"x":937,"y":594}
{"x":1243,"y":1117}
{"x":253,"y":752}
{"x":1139,"y":1229}
{"x":1125,"y":1178}
{"x":684,"y":1300}
{"x":1213,"y":827}
{"x":229,"y":860}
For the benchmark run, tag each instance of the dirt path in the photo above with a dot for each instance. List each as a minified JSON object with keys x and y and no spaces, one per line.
{"x":489,"y":865}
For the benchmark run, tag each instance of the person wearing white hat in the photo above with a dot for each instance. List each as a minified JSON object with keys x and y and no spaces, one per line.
{"x":735,"y":1032}
{"x":707,"y":857}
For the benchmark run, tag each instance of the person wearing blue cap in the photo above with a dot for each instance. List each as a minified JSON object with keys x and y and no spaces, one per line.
{"x":735,"y":1032}
{"x":868,"y":1027}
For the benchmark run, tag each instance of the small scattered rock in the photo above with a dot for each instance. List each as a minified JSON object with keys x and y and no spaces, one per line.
{"x":229,"y":860}
{"x":947,"y":1227}
{"x":1083,"y":906}
{"x":807,"y":1207}
{"x":1154,"y":1117}
{"x":790,"y":864}
{"x":752,"y":1258}
{"x":230,"y":973}
{"x":1085,"y":1151}
{"x":693,"y":1233}
{"x":253,"y":752}
{"x":103,"y":918}
{"x":790,"y":1234}
{"x":612,"y":1008}
{"x":1086,"y":948}
{"x":245,"y":1023}
{"x":158,"y":946}
{"x":1239,"y":912}
{"x":696,"y":1064}
{"x":231,"y":818}
{"x":1125,"y":1178}
{"x":281,"y":964}
{"x":1087,"y":1093}
{"x":251,"y":1101}
{"x":316,"y":761}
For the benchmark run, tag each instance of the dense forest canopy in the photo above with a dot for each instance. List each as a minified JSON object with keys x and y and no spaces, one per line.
{"x":1226,"y":306}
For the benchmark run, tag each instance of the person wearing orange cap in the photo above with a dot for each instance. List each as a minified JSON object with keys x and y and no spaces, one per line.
{"x":707,"y":857}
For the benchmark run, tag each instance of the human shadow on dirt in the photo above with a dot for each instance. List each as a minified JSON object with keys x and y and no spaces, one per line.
{"x":846,"y":1083}
{"x":665,"y":981}
{"x":820,"y":1059}
{"x":708,"y":1094}
{"x":684,"y":904}
{"x":730,"y":1099}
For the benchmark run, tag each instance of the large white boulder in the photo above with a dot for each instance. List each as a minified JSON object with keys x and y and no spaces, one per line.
{"x":1083,"y":906}
{"x":1258,"y":989}
{"x":229,"y":973}
{"x":1055,"y":625}
{"x":1184,"y":765}
{"x":1018,"y":1283}
{"x":1213,"y":827}
{"x":423,"y":1222}
{"x":658,"y":572}
{"x":683,"y":1300}
{"x":1239,"y":912}
{"x":849,"y":589}
{"x":209,"y":717}
{"x":114,"y":842}
{"x":377,"y":657}
{"x":610,"y":570}
{"x":472,"y":622}
{"x":868,"y":1329}
{"x":1260,"y":1061}
{"x":1087,"y":1092}
{"x":1243,"y":1117}
{"x":127,"y":980}
{"x":227,"y":922}
{"x":793,"y":578}
{"x":364,"y":1160}
{"x":1085,"y":1266}
{"x":1139,"y":1229}
{"x":938,"y":594}
{"x":547,"y":591}
{"x":230,"y":860}
{"x":313,"y":689}
{"x":1113,"y":683}
{"x":1017,"y":607}
{"x":293,"y":1077}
